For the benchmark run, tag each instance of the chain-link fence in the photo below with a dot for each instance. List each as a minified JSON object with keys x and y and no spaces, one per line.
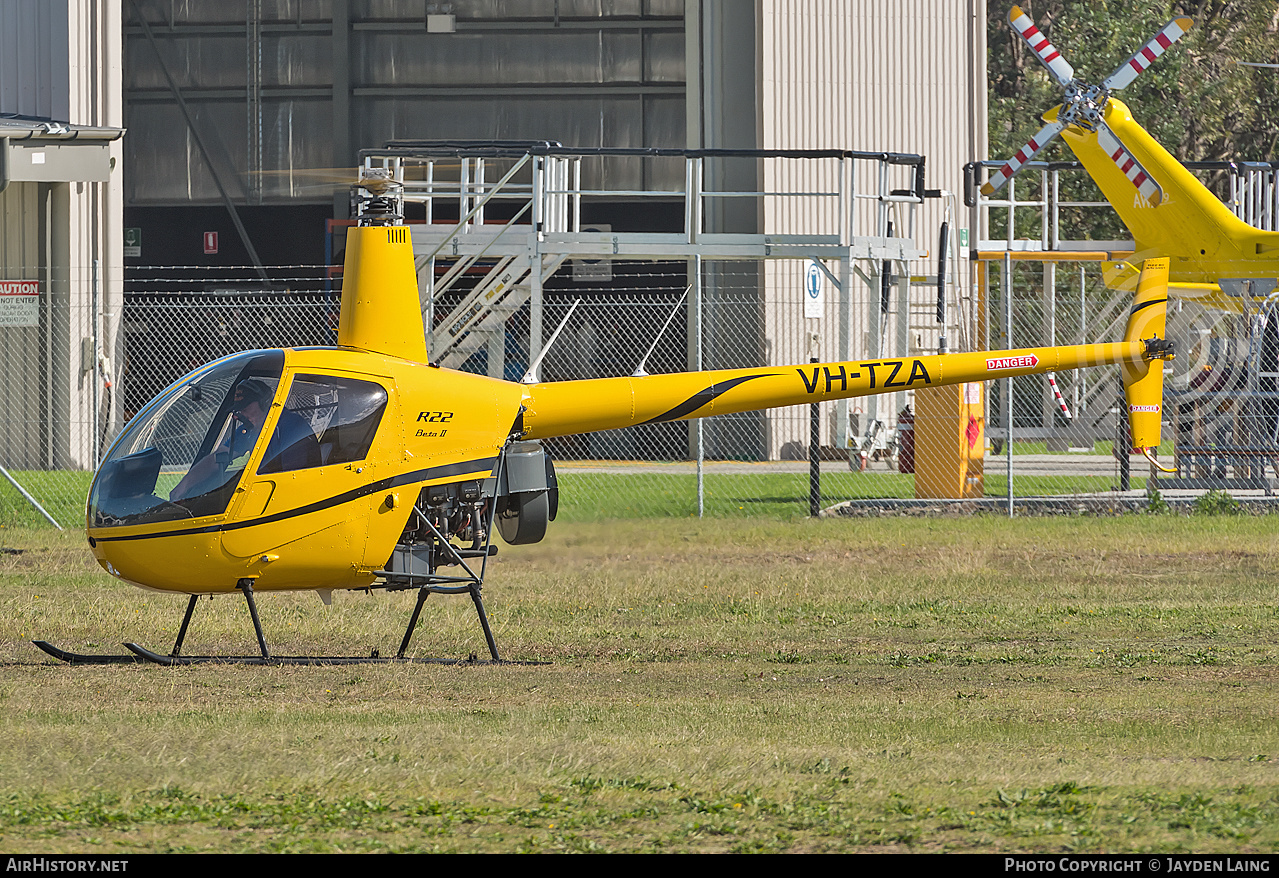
{"x":78,"y":366}
{"x":80,"y":360}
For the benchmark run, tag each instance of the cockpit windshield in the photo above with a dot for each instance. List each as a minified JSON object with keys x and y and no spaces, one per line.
{"x":183,"y":455}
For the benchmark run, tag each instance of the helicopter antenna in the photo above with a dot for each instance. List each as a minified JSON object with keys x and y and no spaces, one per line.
{"x":530,"y":377}
{"x":639,"y":370}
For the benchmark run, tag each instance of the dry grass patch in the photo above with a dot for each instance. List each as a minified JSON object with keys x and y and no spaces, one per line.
{"x":972,"y":684}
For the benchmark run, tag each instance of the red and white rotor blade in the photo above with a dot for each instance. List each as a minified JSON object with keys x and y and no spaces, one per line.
{"x":1061,"y":400}
{"x":1058,"y":66}
{"x":1119,"y":154}
{"x":1025,"y":154}
{"x":1146,"y":55}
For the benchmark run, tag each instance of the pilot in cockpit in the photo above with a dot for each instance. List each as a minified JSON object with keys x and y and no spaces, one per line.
{"x":248,"y":411}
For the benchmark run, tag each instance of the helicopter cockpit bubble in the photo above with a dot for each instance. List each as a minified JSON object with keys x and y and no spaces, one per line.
{"x":183,"y":455}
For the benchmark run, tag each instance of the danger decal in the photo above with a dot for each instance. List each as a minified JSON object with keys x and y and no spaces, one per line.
{"x":1003,"y":364}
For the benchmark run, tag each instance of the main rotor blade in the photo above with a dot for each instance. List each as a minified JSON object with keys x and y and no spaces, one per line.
{"x":1025,"y":154}
{"x":1058,"y":66}
{"x":1146,"y":55}
{"x":1119,"y":154}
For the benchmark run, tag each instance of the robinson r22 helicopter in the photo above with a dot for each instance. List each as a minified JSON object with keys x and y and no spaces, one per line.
{"x":366,"y":466}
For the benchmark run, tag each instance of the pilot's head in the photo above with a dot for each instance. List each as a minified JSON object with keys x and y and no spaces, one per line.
{"x":252,"y":399}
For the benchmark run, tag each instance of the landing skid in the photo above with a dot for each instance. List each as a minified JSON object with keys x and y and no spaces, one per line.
{"x":141,"y":653}
{"x":427,"y":583}
{"x":77,"y":658}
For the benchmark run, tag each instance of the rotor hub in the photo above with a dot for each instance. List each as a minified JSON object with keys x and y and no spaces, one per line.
{"x":377,"y":199}
{"x":1083,"y":105}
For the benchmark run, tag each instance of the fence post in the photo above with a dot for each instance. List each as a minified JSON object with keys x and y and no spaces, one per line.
{"x":95,"y":372}
{"x":697,"y":341}
{"x":814,"y":445}
{"x":1008,"y":382}
{"x":1123,"y":444}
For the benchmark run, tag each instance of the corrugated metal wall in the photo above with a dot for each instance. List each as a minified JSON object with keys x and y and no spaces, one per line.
{"x":22,"y":390}
{"x":61,"y":60}
{"x":869,"y":75}
{"x":34,"y":69}
{"x":260,"y":78}
{"x":33,"y":82}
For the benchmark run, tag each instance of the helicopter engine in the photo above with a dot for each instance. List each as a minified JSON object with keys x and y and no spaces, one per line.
{"x":524,"y":495}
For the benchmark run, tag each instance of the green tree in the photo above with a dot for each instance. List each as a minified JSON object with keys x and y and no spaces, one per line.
{"x":1196,"y":100}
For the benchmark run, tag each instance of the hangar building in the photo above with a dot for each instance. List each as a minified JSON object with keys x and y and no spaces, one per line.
{"x":230,"y":107}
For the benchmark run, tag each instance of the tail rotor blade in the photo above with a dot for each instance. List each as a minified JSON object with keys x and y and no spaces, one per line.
{"x":1024,"y":155}
{"x":1058,"y":66}
{"x":1146,"y":55}
{"x":1119,"y":154}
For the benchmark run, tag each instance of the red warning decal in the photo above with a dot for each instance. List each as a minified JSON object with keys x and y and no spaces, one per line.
{"x":999,"y":364}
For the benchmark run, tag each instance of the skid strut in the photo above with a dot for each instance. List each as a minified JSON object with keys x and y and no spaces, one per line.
{"x":132,"y":658}
{"x":141,"y":655}
{"x":436,"y":583}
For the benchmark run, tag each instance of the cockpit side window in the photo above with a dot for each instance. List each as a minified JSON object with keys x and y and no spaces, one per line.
{"x":325,"y":420}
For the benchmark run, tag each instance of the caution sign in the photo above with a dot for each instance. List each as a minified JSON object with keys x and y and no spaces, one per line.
{"x":19,"y":303}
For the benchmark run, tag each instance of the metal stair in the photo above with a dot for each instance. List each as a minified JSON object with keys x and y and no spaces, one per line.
{"x":500,"y":294}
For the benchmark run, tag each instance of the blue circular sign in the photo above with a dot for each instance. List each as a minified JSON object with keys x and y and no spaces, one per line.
{"x":813,"y":281}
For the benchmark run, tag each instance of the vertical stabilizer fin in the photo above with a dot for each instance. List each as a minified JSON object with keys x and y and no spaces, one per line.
{"x":1144,"y":382}
{"x":380,"y":307}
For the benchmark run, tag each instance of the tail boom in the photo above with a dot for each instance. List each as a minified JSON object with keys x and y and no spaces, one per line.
{"x":566,"y":407}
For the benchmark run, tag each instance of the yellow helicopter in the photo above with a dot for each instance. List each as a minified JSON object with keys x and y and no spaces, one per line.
{"x":1214,"y":258}
{"x":366,"y":466}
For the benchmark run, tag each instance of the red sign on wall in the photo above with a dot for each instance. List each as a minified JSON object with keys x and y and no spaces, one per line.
{"x":210,"y":243}
{"x":19,"y":303}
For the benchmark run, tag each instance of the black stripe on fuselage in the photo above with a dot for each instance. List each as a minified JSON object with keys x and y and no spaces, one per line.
{"x":701,"y":398}
{"x":465,"y":467}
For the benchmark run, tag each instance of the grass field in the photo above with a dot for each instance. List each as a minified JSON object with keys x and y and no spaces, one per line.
{"x":595,"y":496}
{"x":967,"y":684}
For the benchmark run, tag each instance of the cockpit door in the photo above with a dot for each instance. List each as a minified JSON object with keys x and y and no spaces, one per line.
{"x":307,"y":503}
